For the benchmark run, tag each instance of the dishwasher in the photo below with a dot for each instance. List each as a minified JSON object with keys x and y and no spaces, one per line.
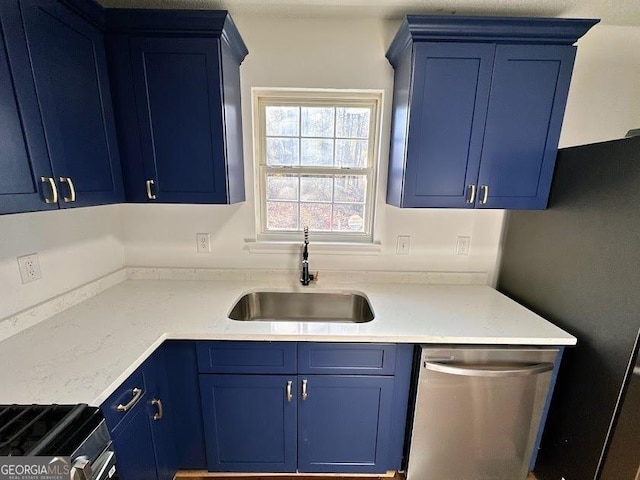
{"x":477,"y":412}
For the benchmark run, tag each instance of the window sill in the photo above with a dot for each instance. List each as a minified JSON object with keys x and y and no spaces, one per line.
{"x":318,"y":248}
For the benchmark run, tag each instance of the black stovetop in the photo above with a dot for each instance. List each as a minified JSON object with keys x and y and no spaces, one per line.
{"x":45,"y":429}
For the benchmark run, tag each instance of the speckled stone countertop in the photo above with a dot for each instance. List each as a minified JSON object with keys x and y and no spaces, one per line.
{"x":82,"y":354}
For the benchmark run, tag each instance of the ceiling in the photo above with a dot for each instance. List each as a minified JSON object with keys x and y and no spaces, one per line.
{"x":612,"y":12}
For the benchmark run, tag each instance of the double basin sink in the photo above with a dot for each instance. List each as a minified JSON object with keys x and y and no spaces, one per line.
{"x":303,"y":307}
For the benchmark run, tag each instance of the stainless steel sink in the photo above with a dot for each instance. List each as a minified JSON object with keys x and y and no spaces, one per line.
{"x":302,"y":307}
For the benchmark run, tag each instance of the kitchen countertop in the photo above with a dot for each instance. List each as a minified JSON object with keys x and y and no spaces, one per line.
{"x":82,"y":354}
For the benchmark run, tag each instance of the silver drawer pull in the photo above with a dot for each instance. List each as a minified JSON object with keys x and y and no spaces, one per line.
{"x":472,"y":196}
{"x":485,"y":194}
{"x":489,"y":370}
{"x":158,"y":403}
{"x":137,"y":393}
{"x":289,"y":392}
{"x":72,"y":189}
{"x":304,"y":389}
{"x":54,"y":190}
{"x":150,"y":194}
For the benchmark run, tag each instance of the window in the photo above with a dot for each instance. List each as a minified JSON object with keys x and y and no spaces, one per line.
{"x":316,"y":156}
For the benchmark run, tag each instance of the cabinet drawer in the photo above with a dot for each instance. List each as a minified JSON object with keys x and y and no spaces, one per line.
{"x":346,"y":358}
{"x":246,"y":357}
{"x":126,"y":396}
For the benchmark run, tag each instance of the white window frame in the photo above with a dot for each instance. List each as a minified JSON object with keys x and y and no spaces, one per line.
{"x":315,"y":97}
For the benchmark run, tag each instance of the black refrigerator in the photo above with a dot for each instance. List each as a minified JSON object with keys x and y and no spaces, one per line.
{"x":578,"y":265}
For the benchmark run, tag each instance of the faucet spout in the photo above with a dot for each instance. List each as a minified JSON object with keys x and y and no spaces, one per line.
{"x":305,"y":276}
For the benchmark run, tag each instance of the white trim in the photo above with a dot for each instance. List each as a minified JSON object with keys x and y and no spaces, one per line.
{"x":318,"y":248}
{"x":372,"y":99}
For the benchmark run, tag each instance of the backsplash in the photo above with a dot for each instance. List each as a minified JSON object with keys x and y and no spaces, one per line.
{"x":75,"y":246}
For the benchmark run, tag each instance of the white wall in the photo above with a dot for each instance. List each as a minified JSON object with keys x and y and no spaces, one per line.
{"x":79,"y":245}
{"x":75,"y":246}
{"x":321,"y":53}
{"x":604,"y":98}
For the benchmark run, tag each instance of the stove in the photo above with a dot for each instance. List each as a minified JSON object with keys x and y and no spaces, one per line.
{"x":75,"y":431}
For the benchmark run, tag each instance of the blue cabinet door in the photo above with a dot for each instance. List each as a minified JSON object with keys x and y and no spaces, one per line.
{"x":447,"y":111}
{"x":179,"y":113}
{"x":249,"y":422}
{"x":162,"y":415}
{"x":69,"y":68}
{"x":344,"y":423}
{"x":134,"y":449}
{"x":23,"y":153}
{"x":184,"y":395}
{"x":528,"y":97}
{"x":144,"y":436}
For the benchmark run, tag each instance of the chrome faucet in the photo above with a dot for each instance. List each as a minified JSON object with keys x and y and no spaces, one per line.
{"x":306,"y":277}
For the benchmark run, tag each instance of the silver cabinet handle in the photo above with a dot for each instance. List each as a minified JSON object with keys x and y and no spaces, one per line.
{"x":304,"y":389}
{"x":485,"y":194}
{"x":150,"y":194}
{"x":489,"y":370}
{"x":72,"y":189}
{"x":137,"y":393}
{"x":158,"y":403}
{"x":54,"y":190}
{"x":289,"y":392}
{"x":472,"y":196}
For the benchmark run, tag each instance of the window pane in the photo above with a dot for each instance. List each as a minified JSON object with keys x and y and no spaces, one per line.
{"x":282,"y":151}
{"x":282,"y":216}
{"x":317,"y":216}
{"x":352,"y":122}
{"x":350,"y":188}
{"x":316,"y":189}
{"x":282,"y":187}
{"x":282,"y":121}
{"x":348,"y":218}
{"x":352,"y":153}
{"x":316,"y":152}
{"x":317,"y":121}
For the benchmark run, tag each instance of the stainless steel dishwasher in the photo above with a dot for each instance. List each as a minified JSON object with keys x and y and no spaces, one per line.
{"x":477,"y":412}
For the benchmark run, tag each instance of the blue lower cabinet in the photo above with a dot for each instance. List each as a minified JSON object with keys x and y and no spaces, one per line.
{"x":344,"y":423}
{"x":162,"y":413}
{"x":184,"y":396}
{"x":134,"y":449}
{"x":250,"y":422}
{"x":144,"y":438}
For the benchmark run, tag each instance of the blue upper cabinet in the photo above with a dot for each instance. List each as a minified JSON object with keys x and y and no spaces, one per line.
{"x":528,"y":97}
{"x":70,"y":72}
{"x":58,"y":145}
{"x":23,"y":153}
{"x":477,"y":109}
{"x":176,"y":82}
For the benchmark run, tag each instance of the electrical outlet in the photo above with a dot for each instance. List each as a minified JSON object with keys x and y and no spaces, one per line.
{"x":463,"y":244}
{"x":29,"y":266}
{"x":404,"y":245}
{"x":203,"y":242}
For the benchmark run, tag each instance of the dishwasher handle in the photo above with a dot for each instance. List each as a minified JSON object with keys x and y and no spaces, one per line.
{"x":489,"y":370}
